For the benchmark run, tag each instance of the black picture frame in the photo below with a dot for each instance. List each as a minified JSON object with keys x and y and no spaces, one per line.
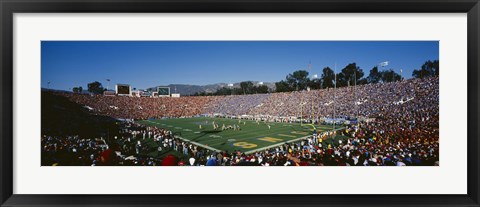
{"x":9,"y":7}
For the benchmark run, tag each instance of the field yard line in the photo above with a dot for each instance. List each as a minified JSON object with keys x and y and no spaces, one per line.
{"x":244,"y":134}
{"x":245,"y":138}
{"x":275,"y":145}
{"x":238,"y":138}
{"x":271,"y":132}
{"x":279,"y":144}
{"x":198,"y":144}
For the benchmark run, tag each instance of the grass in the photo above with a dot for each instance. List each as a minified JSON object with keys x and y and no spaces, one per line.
{"x":252,"y":137}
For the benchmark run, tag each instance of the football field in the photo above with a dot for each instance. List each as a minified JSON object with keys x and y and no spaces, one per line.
{"x":251,"y":137}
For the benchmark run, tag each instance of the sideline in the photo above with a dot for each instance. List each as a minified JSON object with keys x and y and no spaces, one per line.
{"x":198,"y":144}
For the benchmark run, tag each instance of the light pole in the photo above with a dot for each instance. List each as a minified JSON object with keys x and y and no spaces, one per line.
{"x":231,"y":88}
{"x":401,"y":75}
{"x":108,"y":85}
{"x":261,"y":84}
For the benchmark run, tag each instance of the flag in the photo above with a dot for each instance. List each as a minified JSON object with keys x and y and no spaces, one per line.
{"x":106,"y":156}
{"x":383,"y":64}
{"x":169,"y":160}
{"x":108,"y":80}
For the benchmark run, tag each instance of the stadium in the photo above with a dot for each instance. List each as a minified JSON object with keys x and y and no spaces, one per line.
{"x":373,"y":124}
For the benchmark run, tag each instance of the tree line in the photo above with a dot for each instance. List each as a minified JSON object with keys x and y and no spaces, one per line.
{"x":349,"y":75}
{"x":301,"y":80}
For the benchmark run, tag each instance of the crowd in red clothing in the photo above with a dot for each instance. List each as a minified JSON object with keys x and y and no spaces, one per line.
{"x":126,"y":107}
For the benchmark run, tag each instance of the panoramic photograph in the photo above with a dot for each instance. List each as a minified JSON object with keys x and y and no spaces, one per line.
{"x":240,"y":103}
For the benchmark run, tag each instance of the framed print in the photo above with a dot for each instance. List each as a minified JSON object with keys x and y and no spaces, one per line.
{"x":259,"y":103}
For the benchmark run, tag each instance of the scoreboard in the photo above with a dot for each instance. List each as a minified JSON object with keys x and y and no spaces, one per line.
{"x":163,"y":91}
{"x":123,"y":89}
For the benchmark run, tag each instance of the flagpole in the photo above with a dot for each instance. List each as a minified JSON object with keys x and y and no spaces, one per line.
{"x":108,"y":86}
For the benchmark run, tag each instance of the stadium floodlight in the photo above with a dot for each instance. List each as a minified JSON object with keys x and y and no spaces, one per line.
{"x":260,"y":83}
{"x":231,"y":88}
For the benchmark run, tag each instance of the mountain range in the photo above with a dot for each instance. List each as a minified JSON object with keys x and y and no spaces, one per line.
{"x":187,"y":89}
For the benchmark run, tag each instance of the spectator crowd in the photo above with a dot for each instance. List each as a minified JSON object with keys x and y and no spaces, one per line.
{"x":402,"y":128}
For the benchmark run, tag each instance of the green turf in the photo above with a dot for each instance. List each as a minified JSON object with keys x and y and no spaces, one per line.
{"x":252,"y":136}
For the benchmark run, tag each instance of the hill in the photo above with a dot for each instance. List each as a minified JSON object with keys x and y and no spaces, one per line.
{"x":186,"y":89}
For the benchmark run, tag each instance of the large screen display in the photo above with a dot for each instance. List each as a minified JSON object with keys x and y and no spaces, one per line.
{"x":123,"y":89}
{"x":163,"y":91}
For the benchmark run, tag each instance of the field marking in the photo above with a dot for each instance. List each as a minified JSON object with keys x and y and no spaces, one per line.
{"x":286,"y":135}
{"x":299,"y":132}
{"x":266,"y":131}
{"x":275,"y":145}
{"x":193,"y":142}
{"x":270,"y":139}
{"x":230,"y":121}
{"x":245,"y":145}
{"x":199,"y":144}
{"x":247,"y":138}
{"x":279,"y":144}
{"x":253,"y":138}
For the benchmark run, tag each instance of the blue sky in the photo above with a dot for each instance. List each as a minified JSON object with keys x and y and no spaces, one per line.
{"x":66,"y":64}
